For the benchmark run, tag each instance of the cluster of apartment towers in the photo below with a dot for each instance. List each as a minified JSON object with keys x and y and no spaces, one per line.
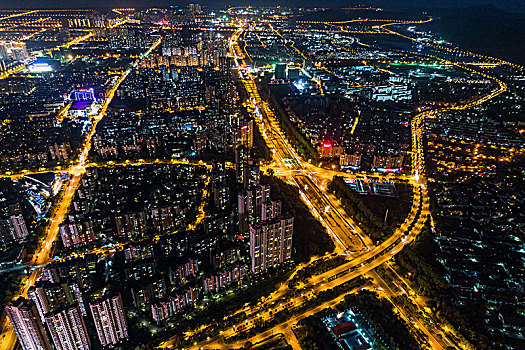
{"x":54,"y":314}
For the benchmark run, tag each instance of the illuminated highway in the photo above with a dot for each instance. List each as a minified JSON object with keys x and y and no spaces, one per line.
{"x":344,"y":231}
{"x":348,"y":237}
{"x":18,"y":15}
{"x":350,"y":240}
{"x":284,"y":328}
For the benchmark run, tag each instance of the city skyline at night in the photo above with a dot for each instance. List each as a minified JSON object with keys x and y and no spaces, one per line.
{"x":232,"y":175}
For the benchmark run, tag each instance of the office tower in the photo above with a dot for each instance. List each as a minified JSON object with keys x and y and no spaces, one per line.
{"x":271,"y":243}
{"x":250,"y":205}
{"x":110,"y":320}
{"x":24,"y":317}
{"x":67,"y":329}
{"x":280,"y":71}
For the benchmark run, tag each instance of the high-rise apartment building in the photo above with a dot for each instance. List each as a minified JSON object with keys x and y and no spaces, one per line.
{"x":243,"y":133}
{"x":131,"y":225}
{"x":110,"y":320}
{"x":270,"y":209}
{"x":49,"y":296}
{"x":250,"y":175}
{"x":24,"y":317}
{"x":271,"y":243}
{"x":250,"y":205}
{"x":74,"y":233}
{"x":67,"y":329}
{"x":12,"y":222}
{"x":242,"y":156}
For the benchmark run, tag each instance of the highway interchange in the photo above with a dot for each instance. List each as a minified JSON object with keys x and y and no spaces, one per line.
{"x":363,"y":255}
{"x":350,"y":240}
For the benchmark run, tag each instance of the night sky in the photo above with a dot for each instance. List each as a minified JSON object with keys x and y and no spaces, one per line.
{"x":509,"y":5}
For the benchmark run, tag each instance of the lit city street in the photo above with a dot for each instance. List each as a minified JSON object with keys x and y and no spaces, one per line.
{"x":203,"y":176}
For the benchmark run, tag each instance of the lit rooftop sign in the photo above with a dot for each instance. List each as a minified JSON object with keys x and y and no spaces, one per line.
{"x":86,"y":94}
{"x":40,"y":67}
